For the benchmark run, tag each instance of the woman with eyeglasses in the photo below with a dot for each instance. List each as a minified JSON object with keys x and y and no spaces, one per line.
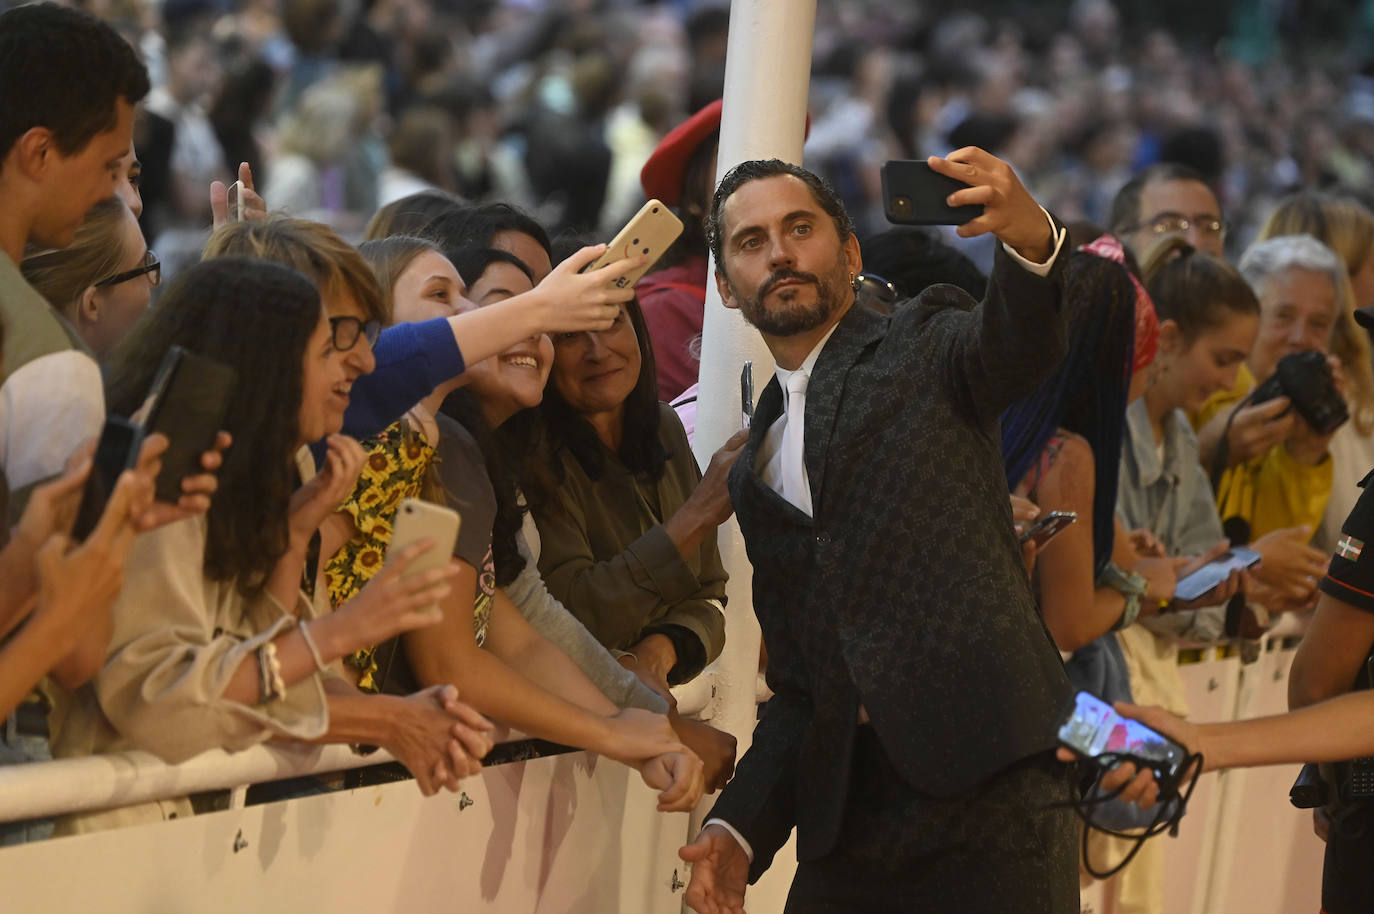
{"x":411,"y":360}
{"x":102,"y":283}
{"x":214,"y":644}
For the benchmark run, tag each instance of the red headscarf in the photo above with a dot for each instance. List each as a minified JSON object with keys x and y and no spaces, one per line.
{"x":1146,"y":321}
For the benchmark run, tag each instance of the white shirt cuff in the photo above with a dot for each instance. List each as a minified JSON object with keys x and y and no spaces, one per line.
{"x":1041,"y":269}
{"x":734,"y":833}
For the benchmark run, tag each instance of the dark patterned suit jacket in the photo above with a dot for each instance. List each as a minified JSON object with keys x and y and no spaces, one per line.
{"x":906,"y":590}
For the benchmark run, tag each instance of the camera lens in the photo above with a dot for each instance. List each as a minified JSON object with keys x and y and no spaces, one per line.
{"x":901,"y":207}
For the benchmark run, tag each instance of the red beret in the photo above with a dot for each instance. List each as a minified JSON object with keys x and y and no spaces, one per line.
{"x":662,"y":176}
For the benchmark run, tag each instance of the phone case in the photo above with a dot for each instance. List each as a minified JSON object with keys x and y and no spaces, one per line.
{"x":417,"y":520}
{"x":117,"y":451}
{"x":652,"y":231}
{"x":187,"y":403}
{"x":913,"y":194}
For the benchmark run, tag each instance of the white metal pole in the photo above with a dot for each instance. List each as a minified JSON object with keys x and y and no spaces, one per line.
{"x":767,"y":77}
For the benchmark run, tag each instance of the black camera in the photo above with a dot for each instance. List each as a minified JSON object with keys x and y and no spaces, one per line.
{"x":1305,"y":379}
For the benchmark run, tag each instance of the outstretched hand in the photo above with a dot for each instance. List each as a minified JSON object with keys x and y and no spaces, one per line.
{"x":720,"y":872}
{"x":1009,"y":211}
{"x":575,"y":301}
{"x":254,"y":207}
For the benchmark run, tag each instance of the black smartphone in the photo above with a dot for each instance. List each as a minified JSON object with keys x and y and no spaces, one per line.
{"x":746,"y":394}
{"x":187,"y":403}
{"x":1215,"y":573}
{"x":1093,"y":729}
{"x":1048,"y":527}
{"x":117,"y":451}
{"x":913,"y":194}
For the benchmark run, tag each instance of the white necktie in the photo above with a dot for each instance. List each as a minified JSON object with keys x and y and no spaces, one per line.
{"x":796,"y":486}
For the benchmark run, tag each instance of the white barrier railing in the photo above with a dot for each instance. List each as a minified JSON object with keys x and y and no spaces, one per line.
{"x":43,"y":789}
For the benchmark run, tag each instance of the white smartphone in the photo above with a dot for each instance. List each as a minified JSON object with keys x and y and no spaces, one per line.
{"x":235,"y":199}
{"x":651,"y":232}
{"x":418,"y":520}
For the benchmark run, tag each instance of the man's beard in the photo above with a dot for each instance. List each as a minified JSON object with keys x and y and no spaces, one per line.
{"x":790,"y":318}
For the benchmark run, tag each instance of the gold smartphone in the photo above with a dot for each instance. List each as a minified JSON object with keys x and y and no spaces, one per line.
{"x":651,"y":232}
{"x":418,"y":520}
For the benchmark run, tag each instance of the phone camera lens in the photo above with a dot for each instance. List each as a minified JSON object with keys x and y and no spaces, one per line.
{"x":646,"y":250}
{"x":636,"y":241}
{"x":901,"y":206}
{"x":654,"y":210}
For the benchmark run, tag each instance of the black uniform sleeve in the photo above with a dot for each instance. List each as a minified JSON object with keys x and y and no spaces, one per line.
{"x":1350,"y":577}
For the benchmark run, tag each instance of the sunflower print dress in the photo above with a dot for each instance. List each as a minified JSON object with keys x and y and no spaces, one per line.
{"x":397,"y":461}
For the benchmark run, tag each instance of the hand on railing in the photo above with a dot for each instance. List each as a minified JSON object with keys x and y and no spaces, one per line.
{"x":438,"y":738}
{"x":646,"y":742}
{"x":677,"y":776}
{"x":715,"y":748}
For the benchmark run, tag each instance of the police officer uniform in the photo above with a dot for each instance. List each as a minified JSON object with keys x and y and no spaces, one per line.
{"x":1348,"y":871}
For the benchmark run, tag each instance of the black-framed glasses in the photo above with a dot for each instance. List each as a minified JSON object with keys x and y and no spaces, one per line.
{"x":150,"y":268}
{"x":1174,"y":224}
{"x":346,"y":330}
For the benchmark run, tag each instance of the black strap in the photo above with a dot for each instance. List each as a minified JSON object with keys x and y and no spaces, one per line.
{"x":1164,"y":820}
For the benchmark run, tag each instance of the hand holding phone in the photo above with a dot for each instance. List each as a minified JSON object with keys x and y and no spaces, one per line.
{"x":187,"y":403}
{"x":1048,"y":527}
{"x":418,"y":520}
{"x":1093,"y":730}
{"x":914,"y":194}
{"x":649,"y":234}
{"x":1212,"y":575}
{"x":117,"y":451}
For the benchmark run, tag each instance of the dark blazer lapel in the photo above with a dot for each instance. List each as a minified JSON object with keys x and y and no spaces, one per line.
{"x":859,"y":328}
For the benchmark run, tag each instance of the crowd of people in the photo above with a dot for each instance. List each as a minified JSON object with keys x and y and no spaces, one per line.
{"x":1156,"y":327}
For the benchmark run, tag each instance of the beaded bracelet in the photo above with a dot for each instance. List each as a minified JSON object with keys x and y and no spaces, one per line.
{"x":271,"y":685}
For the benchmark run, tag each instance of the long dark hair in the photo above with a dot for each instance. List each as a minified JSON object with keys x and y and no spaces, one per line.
{"x":256,"y":317}
{"x":1087,"y":392}
{"x":463,"y":407}
{"x":640,"y":448}
{"x":475,"y":225}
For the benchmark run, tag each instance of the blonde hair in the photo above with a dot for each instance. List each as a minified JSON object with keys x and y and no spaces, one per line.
{"x":63,"y":275}
{"x":310,"y":248}
{"x":1347,"y":228}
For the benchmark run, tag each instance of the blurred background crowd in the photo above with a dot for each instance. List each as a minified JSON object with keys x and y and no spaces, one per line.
{"x":341,"y":106}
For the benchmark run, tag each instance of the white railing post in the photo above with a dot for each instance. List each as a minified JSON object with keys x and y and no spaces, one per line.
{"x":767,"y":77}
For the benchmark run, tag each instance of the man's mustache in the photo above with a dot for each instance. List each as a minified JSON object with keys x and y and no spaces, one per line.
{"x":783,"y":275}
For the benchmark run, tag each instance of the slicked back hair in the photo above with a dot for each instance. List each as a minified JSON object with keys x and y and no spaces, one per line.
{"x":756,"y":169}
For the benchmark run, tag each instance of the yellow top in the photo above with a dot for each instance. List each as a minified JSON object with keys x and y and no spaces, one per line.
{"x":1271,"y":491}
{"x":395,"y":470}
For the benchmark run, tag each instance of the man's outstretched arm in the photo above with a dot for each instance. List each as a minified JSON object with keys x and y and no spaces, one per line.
{"x":1016,"y":337}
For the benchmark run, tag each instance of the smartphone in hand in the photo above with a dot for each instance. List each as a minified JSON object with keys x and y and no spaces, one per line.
{"x":187,"y":403}
{"x":1215,"y":573}
{"x":419,"y":520}
{"x":1093,"y":730}
{"x":649,"y":234}
{"x":914,"y":194}
{"x":1048,"y":527}
{"x":117,"y":451}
